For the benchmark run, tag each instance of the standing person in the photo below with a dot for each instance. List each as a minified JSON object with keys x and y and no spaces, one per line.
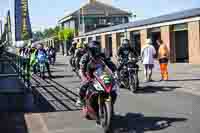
{"x":163,"y":57}
{"x":147,"y":53}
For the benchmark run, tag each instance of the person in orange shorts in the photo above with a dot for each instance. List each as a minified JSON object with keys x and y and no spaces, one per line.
{"x":163,"y":57}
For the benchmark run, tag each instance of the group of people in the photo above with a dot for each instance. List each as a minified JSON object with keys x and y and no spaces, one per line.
{"x":36,"y":53}
{"x":148,"y":54}
{"x":88,"y":64}
{"x":92,"y":55}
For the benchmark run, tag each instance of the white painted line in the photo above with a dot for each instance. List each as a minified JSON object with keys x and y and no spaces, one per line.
{"x":35,"y":122}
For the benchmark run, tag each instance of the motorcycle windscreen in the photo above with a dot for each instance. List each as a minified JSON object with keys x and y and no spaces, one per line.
{"x":104,"y":77}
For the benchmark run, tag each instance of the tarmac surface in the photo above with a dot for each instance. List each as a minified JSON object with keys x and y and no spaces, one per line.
{"x":162,"y":107}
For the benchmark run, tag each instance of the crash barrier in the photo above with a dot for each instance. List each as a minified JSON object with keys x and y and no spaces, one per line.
{"x":21,"y":66}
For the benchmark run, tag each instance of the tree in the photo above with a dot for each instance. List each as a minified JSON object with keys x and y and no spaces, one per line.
{"x":68,"y":34}
{"x":47,"y":33}
{"x":65,"y":36}
{"x":38,"y":35}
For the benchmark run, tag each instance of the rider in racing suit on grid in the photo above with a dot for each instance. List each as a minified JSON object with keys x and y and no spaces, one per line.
{"x":79,"y":52}
{"x":42,"y":51}
{"x":123,"y":54}
{"x":72,"y":53}
{"x":88,"y":65}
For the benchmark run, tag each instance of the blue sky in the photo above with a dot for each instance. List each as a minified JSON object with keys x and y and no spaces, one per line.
{"x":45,"y":13}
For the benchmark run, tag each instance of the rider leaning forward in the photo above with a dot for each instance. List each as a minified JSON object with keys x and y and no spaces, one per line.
{"x":88,"y":64}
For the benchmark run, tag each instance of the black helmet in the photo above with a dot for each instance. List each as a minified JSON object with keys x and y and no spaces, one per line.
{"x":125,"y":43}
{"x":94,"y":48}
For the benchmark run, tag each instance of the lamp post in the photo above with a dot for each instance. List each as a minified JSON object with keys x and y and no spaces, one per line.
{"x":83,"y":19}
{"x":1,"y":30}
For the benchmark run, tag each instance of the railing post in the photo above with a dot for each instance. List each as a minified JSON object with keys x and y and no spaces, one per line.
{"x":28,"y":72}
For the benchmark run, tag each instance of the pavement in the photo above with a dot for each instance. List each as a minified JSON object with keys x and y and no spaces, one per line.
{"x":162,"y":107}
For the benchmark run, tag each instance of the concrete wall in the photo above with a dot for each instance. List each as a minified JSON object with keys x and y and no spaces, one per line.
{"x":143,"y":37}
{"x":168,"y":40}
{"x":103,"y":42}
{"x":194,"y":42}
{"x":115,"y":44}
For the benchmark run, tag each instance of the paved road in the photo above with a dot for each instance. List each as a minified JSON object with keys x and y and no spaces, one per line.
{"x":160,"y":107}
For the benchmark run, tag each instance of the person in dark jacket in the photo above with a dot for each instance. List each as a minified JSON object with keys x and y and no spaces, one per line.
{"x":123,"y":54}
{"x":88,"y":65}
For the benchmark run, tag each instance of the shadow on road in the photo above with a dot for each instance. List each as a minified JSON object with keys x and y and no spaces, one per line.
{"x":137,"y":123}
{"x":60,"y":64}
{"x":13,"y":123}
{"x":155,"y":89}
{"x":56,"y":70}
{"x":50,"y":96}
{"x":174,"y":80}
{"x":62,"y":76}
{"x":53,"y":81}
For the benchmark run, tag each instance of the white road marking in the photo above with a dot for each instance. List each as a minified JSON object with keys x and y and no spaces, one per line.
{"x":36,"y":122}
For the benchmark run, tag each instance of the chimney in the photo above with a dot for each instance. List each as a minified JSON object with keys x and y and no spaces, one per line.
{"x":91,"y":1}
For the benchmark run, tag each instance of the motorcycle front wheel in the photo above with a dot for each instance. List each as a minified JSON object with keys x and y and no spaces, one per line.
{"x":106,"y":116}
{"x":133,"y":83}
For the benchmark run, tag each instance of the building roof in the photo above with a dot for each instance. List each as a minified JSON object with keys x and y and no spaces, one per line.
{"x":97,"y":8}
{"x":164,"y":18}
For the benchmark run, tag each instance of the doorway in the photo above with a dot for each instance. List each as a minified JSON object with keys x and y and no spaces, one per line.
{"x":181,"y":44}
{"x":135,"y":42}
{"x":180,"y":36}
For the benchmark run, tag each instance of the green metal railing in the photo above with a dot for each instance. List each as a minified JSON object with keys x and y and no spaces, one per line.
{"x":22,"y":67}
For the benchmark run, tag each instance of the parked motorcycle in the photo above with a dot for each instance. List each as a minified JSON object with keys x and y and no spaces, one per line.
{"x":129,"y":74}
{"x":100,"y":97}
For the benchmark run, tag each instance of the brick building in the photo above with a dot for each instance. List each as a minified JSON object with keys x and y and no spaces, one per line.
{"x":179,"y":30}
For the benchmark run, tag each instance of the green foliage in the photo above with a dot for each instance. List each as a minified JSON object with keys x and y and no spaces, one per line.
{"x":50,"y":32}
{"x":25,"y":35}
{"x":57,"y":32}
{"x":65,"y":34}
{"x":38,"y":36}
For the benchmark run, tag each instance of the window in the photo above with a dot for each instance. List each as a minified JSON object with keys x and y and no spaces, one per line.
{"x":180,"y":27}
{"x":102,"y":21}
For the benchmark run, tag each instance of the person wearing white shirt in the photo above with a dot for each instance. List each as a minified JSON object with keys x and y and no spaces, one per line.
{"x":147,"y":53}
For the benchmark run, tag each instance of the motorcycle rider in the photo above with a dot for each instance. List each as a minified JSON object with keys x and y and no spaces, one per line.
{"x":79,"y":52}
{"x":73,"y":48}
{"x":41,"y":52}
{"x":88,"y":65}
{"x":33,"y":60}
{"x":51,"y":54}
{"x":72,"y":53}
{"x":123,"y":54}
